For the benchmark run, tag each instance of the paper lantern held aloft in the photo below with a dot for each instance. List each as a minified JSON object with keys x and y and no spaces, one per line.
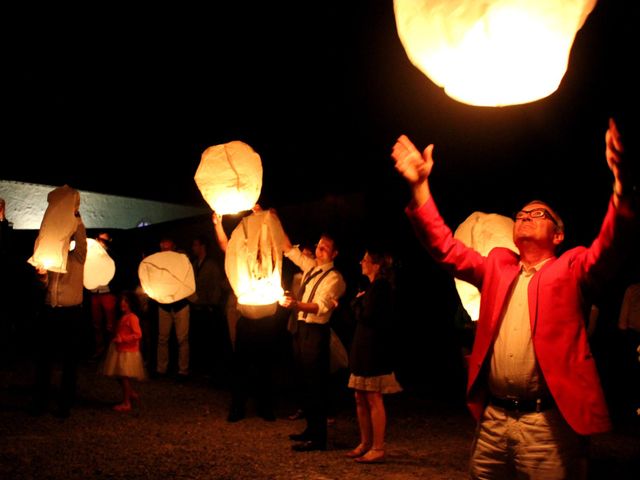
{"x":491,"y":52}
{"x":230,"y":177}
{"x":167,"y":276}
{"x":253,"y":264}
{"x":59,"y":223}
{"x":482,"y":232}
{"x":99,"y":267}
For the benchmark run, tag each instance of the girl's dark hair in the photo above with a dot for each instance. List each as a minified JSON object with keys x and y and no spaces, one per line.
{"x":132,"y":300}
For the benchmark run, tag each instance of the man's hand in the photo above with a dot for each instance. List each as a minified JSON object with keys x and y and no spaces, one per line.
{"x":413,"y":166}
{"x":288,"y":302}
{"x":615,"y":155}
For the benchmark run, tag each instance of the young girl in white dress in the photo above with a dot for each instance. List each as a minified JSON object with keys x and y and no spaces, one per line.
{"x":124,"y":360}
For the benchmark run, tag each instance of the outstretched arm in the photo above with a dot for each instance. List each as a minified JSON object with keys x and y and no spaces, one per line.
{"x":618,"y":164}
{"x":221,"y":236}
{"x":414,"y":167}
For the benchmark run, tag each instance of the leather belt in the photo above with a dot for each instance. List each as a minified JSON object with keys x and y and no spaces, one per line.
{"x":523,"y":406}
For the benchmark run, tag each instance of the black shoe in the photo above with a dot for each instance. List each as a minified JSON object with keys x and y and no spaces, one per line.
{"x":62,"y":413}
{"x":235,"y":415}
{"x":182,"y":378}
{"x":299,"y":437}
{"x":267,"y":415}
{"x":309,"y":446}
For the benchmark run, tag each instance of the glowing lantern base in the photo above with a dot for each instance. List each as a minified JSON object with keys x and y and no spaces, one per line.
{"x":491,"y":52}
{"x":254,"y":264}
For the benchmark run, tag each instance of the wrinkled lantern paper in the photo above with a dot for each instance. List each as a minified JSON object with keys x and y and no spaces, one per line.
{"x":491,"y":52}
{"x":59,"y":223}
{"x":254,"y":264}
{"x":482,"y":232}
{"x":167,"y":276}
{"x":99,"y":267}
{"x":229,"y":177}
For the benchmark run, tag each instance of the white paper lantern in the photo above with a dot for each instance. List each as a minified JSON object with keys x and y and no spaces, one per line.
{"x":59,"y":223}
{"x":167,"y":276}
{"x":230,"y":177}
{"x":253,"y":264}
{"x":482,"y":232}
{"x":491,"y":52}
{"x":99,"y":267}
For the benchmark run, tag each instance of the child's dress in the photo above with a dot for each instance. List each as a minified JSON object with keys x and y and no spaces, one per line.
{"x":124,"y":358}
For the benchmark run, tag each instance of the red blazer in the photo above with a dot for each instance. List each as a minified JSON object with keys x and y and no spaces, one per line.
{"x":555,"y":306}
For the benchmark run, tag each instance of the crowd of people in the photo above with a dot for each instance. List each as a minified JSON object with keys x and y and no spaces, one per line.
{"x":532,"y":381}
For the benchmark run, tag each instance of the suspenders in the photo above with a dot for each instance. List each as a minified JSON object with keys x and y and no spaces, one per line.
{"x":315,"y":286}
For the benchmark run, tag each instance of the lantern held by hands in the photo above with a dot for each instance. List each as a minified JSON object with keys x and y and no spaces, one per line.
{"x":58,"y":225}
{"x":230,"y":177}
{"x":99,"y":267}
{"x":491,"y":52}
{"x":482,"y":232}
{"x":254,"y":264}
{"x":167,"y":276}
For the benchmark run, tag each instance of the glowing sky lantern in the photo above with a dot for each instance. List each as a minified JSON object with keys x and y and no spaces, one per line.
{"x":482,"y":232}
{"x":253,"y":264}
{"x":59,"y":223}
{"x":167,"y":276}
{"x":491,"y":52}
{"x":230,"y":177}
{"x":99,"y":267}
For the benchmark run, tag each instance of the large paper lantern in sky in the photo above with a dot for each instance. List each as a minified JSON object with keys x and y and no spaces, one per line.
{"x":482,"y":232}
{"x":230,"y":177}
{"x":99,"y":267}
{"x":59,"y":223}
{"x":491,"y":52}
{"x":253,"y":264}
{"x":167,"y":276}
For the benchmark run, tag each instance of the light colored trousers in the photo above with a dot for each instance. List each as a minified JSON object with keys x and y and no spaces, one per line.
{"x":180,"y":320}
{"x":533,"y":445}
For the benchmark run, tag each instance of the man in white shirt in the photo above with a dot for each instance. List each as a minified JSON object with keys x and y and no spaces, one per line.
{"x":322,"y":286}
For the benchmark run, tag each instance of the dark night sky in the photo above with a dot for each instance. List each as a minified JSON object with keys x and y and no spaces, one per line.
{"x":104,"y":98}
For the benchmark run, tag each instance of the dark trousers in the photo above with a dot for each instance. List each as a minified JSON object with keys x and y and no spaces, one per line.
{"x":253,"y":362}
{"x":60,"y":335}
{"x":209,"y":341}
{"x":312,"y":341}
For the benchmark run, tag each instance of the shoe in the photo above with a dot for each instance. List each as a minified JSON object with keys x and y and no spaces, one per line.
{"x":122,"y":407}
{"x":62,"y":413}
{"x":297,"y":415}
{"x":267,"y":415}
{"x":359,"y":451}
{"x":308,"y":446}
{"x":375,"y":455}
{"x":299,"y":437}
{"x":235,"y":415}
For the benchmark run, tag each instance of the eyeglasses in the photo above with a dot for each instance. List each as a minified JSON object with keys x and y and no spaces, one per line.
{"x":536,"y":213}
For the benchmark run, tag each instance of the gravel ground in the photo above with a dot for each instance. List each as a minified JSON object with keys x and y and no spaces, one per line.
{"x":180,"y":432}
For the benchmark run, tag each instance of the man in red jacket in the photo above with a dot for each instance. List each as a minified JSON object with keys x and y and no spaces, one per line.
{"x":532,"y":383}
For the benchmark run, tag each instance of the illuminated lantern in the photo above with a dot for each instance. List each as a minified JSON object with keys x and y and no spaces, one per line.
{"x":167,"y":276}
{"x":253,"y":264}
{"x":482,"y":232}
{"x":99,"y":267}
{"x":230,"y":177}
{"x":491,"y":52}
{"x":59,"y":223}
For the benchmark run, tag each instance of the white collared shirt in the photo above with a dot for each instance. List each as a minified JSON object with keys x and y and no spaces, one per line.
{"x":330,"y":289}
{"x":514,"y":371}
